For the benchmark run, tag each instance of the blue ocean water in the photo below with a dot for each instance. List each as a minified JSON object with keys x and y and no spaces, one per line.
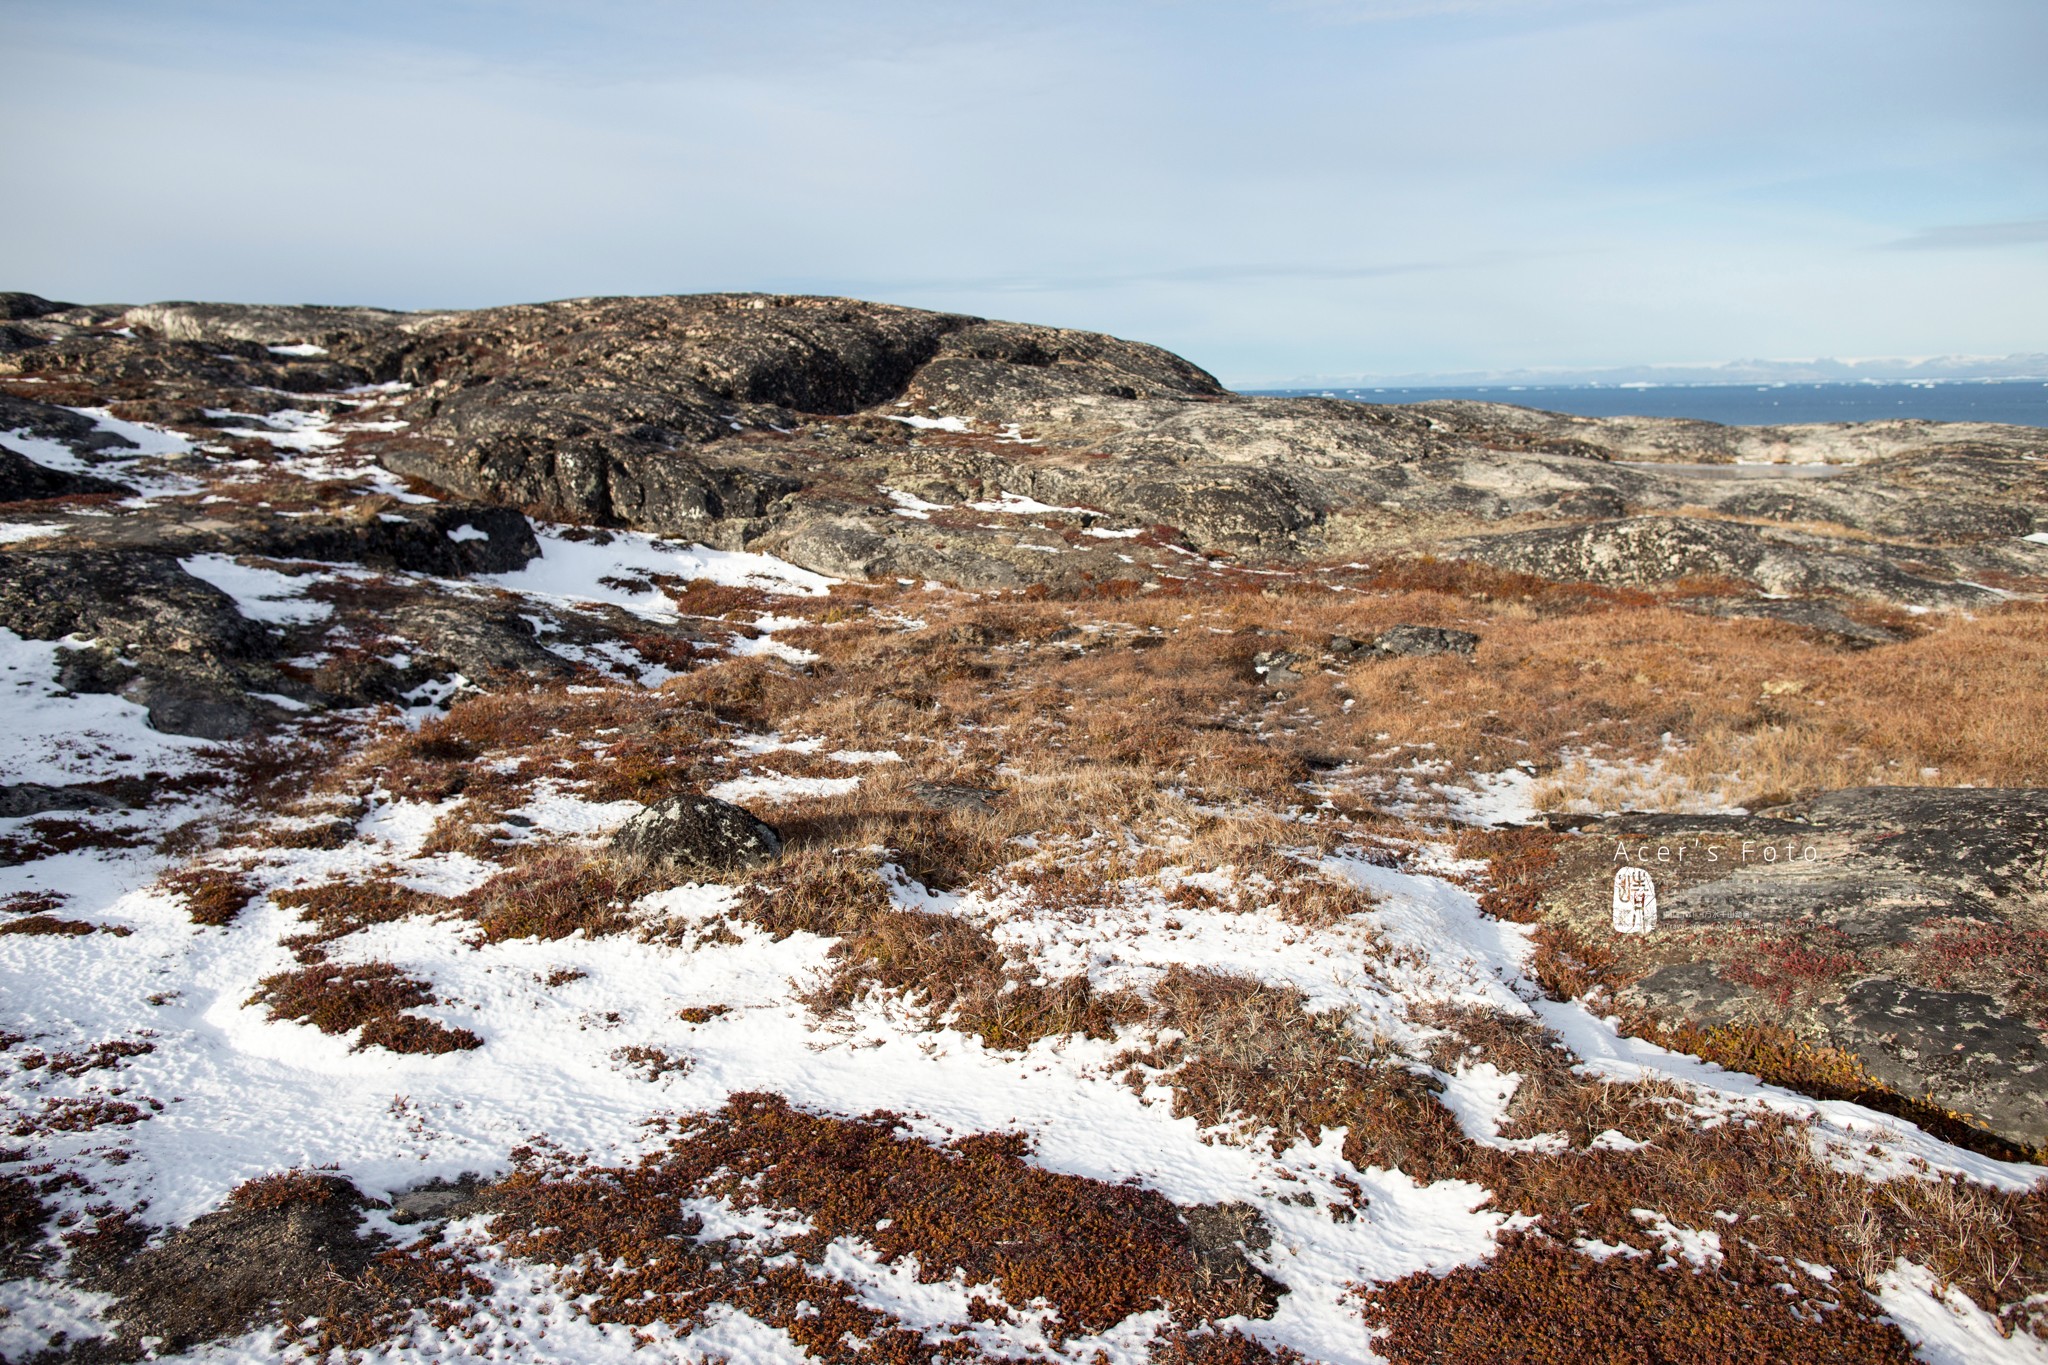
{"x":2021,"y":402}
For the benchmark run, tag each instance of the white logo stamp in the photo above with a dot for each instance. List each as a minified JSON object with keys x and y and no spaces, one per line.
{"x":1635,"y":901}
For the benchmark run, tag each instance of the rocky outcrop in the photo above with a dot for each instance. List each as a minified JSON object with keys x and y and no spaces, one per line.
{"x":53,"y":423}
{"x":35,"y":798}
{"x":696,"y":833}
{"x":1422,"y":641}
{"x":15,"y":305}
{"x":476,"y":640}
{"x":23,"y":480}
{"x":1901,"y":925}
{"x":776,"y":422}
{"x":1813,"y":614}
{"x":1644,"y":551}
{"x":144,"y":605}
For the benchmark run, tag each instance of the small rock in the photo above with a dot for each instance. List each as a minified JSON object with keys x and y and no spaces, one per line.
{"x":438,"y":1201}
{"x":945,"y":796}
{"x":698,"y":832}
{"x":199,"y":708}
{"x":1280,"y":668}
{"x":1343,"y":644}
{"x":33,"y":798}
{"x":1418,"y":641}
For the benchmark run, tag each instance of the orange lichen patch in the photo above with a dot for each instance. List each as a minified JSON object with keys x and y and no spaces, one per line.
{"x":373,"y":997}
{"x":1535,"y":1302}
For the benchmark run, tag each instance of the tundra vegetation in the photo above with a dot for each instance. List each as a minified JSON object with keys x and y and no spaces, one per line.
{"x":1180,"y":931}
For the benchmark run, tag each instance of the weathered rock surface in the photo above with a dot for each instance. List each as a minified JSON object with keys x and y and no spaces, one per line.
{"x":53,"y":423}
{"x":144,"y":605}
{"x":1820,"y":617}
{"x":697,"y":833}
{"x":1422,"y":641}
{"x":1903,"y":925}
{"x":36,"y":798}
{"x":780,"y":423}
{"x":23,"y":480}
{"x":14,"y":304}
{"x":1642,"y":551}
{"x":476,"y":640}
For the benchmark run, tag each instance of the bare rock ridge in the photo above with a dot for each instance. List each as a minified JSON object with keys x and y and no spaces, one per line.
{"x":777,"y":422}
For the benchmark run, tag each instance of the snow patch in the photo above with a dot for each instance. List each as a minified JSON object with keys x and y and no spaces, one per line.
{"x":260,"y":594}
{"x":572,"y":569}
{"x":774,"y":788}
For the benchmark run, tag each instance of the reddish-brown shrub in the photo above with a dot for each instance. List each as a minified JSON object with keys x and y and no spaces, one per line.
{"x":373,"y":997}
{"x":1535,"y":1302}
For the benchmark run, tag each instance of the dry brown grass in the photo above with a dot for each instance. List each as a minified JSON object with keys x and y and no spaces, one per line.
{"x":1756,"y":1181}
{"x":552,"y":893}
{"x":1252,"y":1059}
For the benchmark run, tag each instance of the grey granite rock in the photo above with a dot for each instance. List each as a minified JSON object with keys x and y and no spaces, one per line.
{"x":1423,"y":641}
{"x":696,"y":833}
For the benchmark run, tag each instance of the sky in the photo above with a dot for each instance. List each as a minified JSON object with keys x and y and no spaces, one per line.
{"x":1290,"y":191}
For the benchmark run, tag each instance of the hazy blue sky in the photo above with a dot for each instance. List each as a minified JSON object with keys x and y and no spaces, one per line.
{"x":1278,"y":190}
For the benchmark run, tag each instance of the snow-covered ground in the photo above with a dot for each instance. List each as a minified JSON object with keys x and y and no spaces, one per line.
{"x":242,"y":1096}
{"x":229,"y":1094}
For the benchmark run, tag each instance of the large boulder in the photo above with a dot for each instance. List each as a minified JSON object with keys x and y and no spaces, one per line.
{"x":1899,"y":925}
{"x":144,"y":604}
{"x":23,"y":480}
{"x":697,"y":833}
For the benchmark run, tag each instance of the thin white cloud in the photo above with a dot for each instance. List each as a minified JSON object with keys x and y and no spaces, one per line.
{"x":1974,"y":236}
